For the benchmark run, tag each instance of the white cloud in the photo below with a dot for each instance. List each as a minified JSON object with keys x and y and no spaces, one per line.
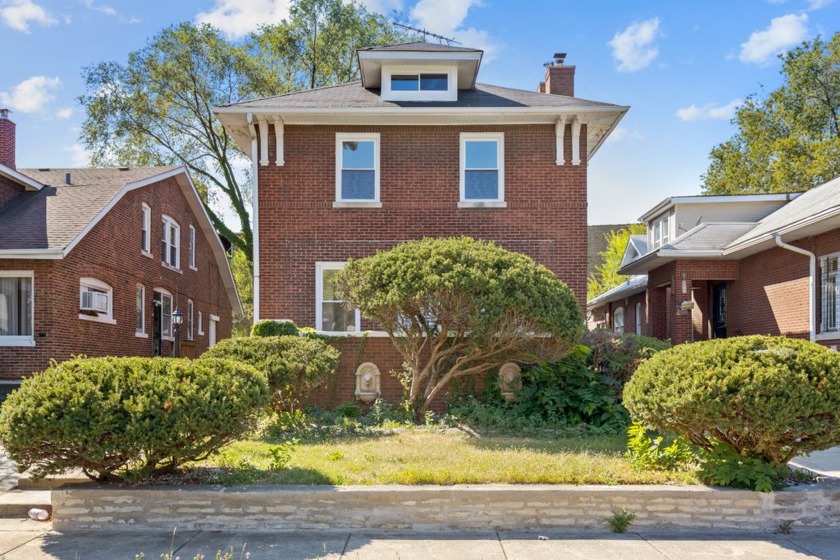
{"x":382,"y":6}
{"x":64,"y":113}
{"x":78,"y":155}
{"x":620,"y":134}
{"x":633,"y":48}
{"x":31,"y":95}
{"x":817,"y":4}
{"x":18,"y":14}
{"x":445,"y":17}
{"x":783,"y":32}
{"x":237,"y":18}
{"x":104,"y":8}
{"x":709,"y":112}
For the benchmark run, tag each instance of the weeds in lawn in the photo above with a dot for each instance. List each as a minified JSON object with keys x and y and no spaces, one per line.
{"x":281,"y":454}
{"x":621,"y":520}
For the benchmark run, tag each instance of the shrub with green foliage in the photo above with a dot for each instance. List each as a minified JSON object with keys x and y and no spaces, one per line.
{"x":295,"y":365}
{"x":619,"y":355}
{"x":770,"y":398}
{"x":456,"y":307}
{"x":129,"y":418}
{"x":268,"y":327}
{"x":647,"y":449}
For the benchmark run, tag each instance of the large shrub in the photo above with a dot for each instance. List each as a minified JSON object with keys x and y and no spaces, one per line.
{"x":269,"y":327}
{"x":129,"y":418}
{"x":295,"y":365}
{"x":770,"y":398}
{"x":619,"y":355}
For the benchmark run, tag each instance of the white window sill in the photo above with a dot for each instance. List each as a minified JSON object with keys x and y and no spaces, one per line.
{"x":193,"y":268}
{"x":357,"y":204}
{"x":354,"y":334}
{"x":482,"y":204}
{"x":170,"y":267}
{"x":94,"y":319}
{"x":168,"y":338}
{"x":8,"y":341}
{"x":141,"y":335}
{"x":830,"y":335}
{"x":200,"y":333}
{"x":146,"y":254}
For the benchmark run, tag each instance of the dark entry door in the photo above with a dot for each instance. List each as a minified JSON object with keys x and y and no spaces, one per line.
{"x":719,"y":311}
{"x":157,"y":347}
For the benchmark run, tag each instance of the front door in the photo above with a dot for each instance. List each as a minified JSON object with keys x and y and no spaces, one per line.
{"x":719,"y":311}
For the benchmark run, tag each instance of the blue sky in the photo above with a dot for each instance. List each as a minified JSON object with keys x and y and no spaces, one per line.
{"x":681,"y":66}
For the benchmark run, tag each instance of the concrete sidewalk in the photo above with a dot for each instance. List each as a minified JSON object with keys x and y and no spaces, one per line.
{"x":27,"y":540}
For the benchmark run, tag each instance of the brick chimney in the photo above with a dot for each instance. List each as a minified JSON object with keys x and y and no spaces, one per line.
{"x":7,"y":139}
{"x":559,"y":78}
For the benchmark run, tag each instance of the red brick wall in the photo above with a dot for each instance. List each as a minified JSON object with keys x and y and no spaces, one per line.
{"x":110,"y":252}
{"x":9,"y":190}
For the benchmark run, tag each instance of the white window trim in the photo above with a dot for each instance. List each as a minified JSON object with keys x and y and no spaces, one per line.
{"x":499,"y":202}
{"x":146,"y":251}
{"x":827,"y":334}
{"x":200,"y":324}
{"x":107,"y":317}
{"x":619,"y":312}
{"x":320,"y":267}
{"x":168,"y":221}
{"x":451,"y":93}
{"x":341,"y":137}
{"x":638,"y":308}
{"x":190,"y":320}
{"x":142,"y":332}
{"x":163,"y":292}
{"x":664,"y":221}
{"x":8,"y":341}
{"x":192,"y":248}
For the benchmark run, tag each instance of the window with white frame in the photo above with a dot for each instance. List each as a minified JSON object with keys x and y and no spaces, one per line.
{"x":638,"y":318}
{"x":140,"y":310}
{"x":419,"y":82}
{"x":357,"y":168}
{"x":482,"y":167}
{"x":146,"y":233}
{"x":192,"y":248}
{"x":829,"y":287}
{"x":164,"y":299}
{"x":618,"y":320}
{"x":413,"y":83}
{"x":190,"y":323}
{"x":330,"y":314}
{"x":660,"y":232}
{"x":200,"y":324}
{"x":96,"y":300}
{"x":170,"y":245}
{"x":17,"y":308}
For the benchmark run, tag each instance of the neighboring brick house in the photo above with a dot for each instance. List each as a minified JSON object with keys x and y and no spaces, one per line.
{"x":416,"y":149}
{"x":717,"y":266}
{"x":95,"y":262}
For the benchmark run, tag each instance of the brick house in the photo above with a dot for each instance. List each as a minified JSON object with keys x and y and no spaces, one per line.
{"x":416,"y":149}
{"x":96,"y":261}
{"x":717,"y":266}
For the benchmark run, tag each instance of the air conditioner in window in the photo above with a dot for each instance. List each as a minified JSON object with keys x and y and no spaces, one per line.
{"x":95,"y":302}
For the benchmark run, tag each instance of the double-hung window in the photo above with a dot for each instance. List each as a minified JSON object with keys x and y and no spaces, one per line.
{"x":164,"y":299}
{"x":96,"y":301}
{"x":330,"y":314}
{"x":192,"y":248}
{"x":357,"y":169}
{"x":16,"y":308}
{"x":660,"y":232}
{"x":146,"y":232}
{"x":190,"y":315}
{"x":170,"y":245}
{"x":482,"y":169}
{"x":140,"y":311}
{"x":829,"y":288}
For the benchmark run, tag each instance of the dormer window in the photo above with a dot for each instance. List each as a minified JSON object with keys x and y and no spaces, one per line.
{"x":419,"y":82}
{"x":660,"y":231}
{"x":428,"y":83}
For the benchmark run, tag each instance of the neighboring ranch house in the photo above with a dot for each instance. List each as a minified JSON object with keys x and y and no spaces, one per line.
{"x":95,"y":262}
{"x":718,"y":266}
{"x":416,"y":149}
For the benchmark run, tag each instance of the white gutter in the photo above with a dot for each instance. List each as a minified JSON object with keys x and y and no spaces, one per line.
{"x":812,"y":294}
{"x":255,"y":227}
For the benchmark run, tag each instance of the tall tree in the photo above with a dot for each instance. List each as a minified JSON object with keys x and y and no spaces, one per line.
{"x":791,"y":140}
{"x":606,"y":276}
{"x":157,"y":108}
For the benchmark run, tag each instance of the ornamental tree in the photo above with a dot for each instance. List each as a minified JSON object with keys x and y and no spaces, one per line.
{"x":455,"y":307}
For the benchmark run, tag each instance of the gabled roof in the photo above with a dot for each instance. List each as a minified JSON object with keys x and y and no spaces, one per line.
{"x":27,"y":183}
{"x":419,"y":46}
{"x":632,"y":286}
{"x":48,"y":223}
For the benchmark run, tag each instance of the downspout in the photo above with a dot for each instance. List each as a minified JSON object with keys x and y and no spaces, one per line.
{"x":255,"y":227}
{"x":812,"y":293}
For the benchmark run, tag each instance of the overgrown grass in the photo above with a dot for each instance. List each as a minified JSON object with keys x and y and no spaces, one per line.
{"x":437,"y":456}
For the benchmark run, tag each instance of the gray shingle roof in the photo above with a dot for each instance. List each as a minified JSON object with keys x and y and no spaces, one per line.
{"x":640,"y":242}
{"x":54,"y":216}
{"x":633,"y":285}
{"x":710,"y":236}
{"x":353,"y":95}
{"x":419,"y":46}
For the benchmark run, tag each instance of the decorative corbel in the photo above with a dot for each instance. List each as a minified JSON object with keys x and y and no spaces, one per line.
{"x":263,"y":140}
{"x":576,"y":123}
{"x":278,"y":137}
{"x":559,"y":136}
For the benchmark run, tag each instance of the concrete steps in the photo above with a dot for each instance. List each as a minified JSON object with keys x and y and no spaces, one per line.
{"x":17,"y":503}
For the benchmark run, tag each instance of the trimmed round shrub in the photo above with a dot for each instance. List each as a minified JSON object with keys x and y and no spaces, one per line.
{"x":295,"y":365}
{"x":770,"y":398}
{"x":129,"y":418}
{"x":274,"y":328}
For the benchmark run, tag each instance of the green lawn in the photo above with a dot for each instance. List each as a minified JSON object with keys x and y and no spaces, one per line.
{"x":423,"y":456}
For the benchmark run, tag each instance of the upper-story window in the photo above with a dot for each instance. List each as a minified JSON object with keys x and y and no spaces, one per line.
{"x":660,"y":232}
{"x":16,"y":308}
{"x":482,"y":168}
{"x":419,"y":82}
{"x":357,"y":169}
{"x":146,"y":232}
{"x":412,"y":83}
{"x":170,"y":245}
{"x":96,"y":301}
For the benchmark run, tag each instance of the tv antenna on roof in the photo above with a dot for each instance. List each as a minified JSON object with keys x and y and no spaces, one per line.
{"x":426,"y":34}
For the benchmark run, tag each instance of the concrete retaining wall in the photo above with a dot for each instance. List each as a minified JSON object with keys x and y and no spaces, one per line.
{"x":435,"y":508}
